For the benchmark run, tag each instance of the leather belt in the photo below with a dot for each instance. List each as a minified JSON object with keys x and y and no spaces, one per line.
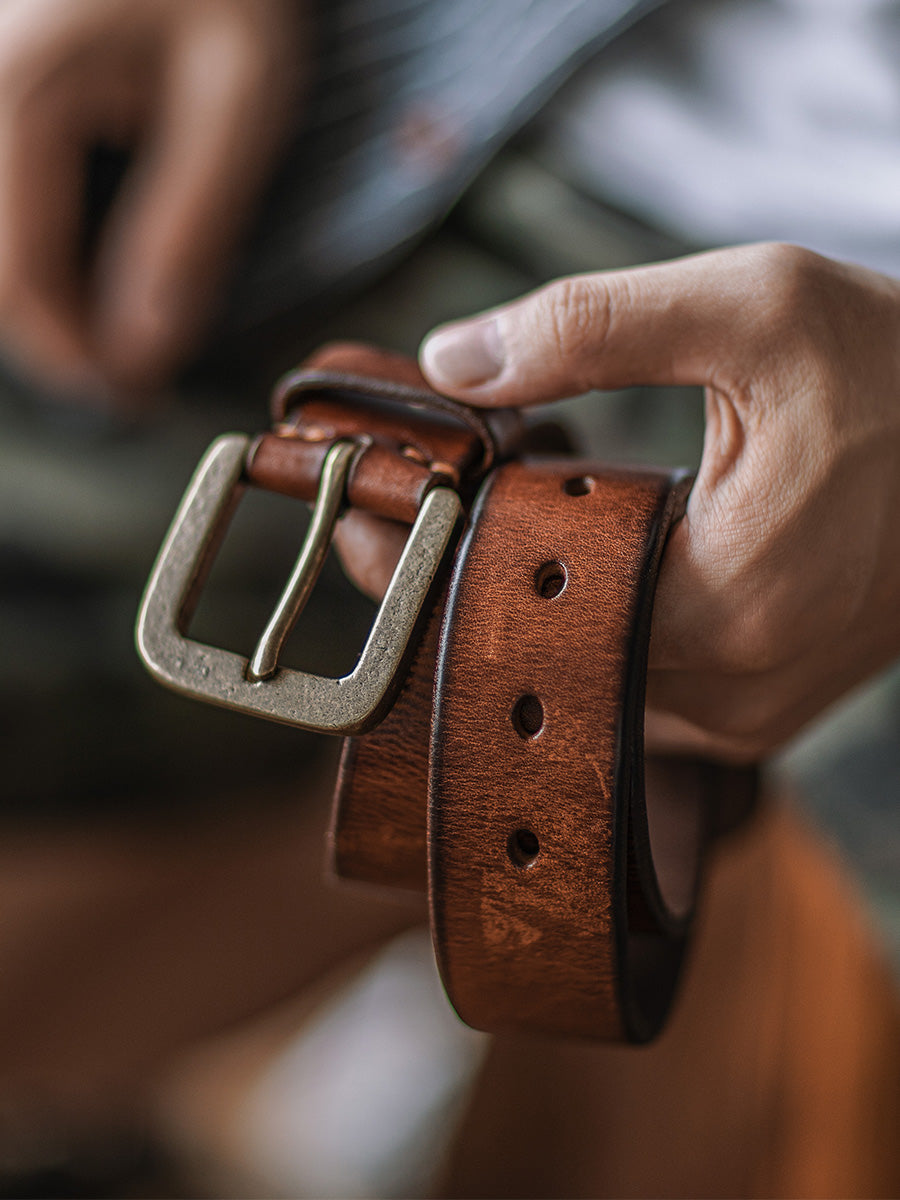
{"x":494,"y":720}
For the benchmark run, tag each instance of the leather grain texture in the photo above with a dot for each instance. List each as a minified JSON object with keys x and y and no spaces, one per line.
{"x":411,"y":439}
{"x":379,"y":821}
{"x":512,"y":764}
{"x":536,"y":799}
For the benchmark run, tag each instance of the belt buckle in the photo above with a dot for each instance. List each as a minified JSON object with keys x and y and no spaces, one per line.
{"x":351,"y":704}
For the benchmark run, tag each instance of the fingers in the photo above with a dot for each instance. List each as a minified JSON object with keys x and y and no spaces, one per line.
{"x":673,"y":323}
{"x":167,"y":246}
{"x":204,"y":91}
{"x":370,"y":549}
{"x":56,"y":102}
{"x":41,"y":310}
{"x":666,"y":734}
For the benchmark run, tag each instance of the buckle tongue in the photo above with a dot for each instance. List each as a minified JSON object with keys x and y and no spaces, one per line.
{"x":308,"y":567}
{"x":351,"y":704}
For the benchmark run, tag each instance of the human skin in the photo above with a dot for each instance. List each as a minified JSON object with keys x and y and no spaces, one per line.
{"x":202,"y":94}
{"x":780,"y":588}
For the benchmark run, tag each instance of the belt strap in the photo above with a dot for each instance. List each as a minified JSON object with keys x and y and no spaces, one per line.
{"x":539,"y":842}
{"x":503,"y":770}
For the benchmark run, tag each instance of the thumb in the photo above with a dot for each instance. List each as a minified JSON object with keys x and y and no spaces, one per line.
{"x":671,"y":323}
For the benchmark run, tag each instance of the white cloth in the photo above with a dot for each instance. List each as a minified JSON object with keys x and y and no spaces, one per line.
{"x":726,"y":121}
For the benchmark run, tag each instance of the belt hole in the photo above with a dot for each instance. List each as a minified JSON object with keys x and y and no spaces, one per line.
{"x":550,"y":579}
{"x":579,"y":485}
{"x":528,"y":716}
{"x":523,"y":847}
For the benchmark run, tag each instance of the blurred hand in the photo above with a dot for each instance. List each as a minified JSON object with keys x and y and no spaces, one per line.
{"x":202,"y":92}
{"x":780,"y":589}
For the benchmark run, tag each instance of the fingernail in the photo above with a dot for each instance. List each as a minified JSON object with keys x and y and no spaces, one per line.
{"x":463,"y":356}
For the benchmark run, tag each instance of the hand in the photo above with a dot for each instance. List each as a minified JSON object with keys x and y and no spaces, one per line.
{"x":201,"y":92}
{"x":780,"y":589}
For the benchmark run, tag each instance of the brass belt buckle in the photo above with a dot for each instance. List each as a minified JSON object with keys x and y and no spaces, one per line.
{"x":259,"y":686}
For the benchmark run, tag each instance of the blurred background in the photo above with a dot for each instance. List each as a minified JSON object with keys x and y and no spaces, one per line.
{"x":187,"y":1007}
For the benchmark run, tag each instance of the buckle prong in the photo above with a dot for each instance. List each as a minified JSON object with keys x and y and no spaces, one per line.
{"x":311,"y":559}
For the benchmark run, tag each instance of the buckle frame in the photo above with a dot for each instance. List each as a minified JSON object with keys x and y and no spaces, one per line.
{"x":347,"y":705}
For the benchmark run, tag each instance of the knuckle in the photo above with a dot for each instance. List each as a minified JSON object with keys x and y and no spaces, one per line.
{"x":753,"y":624}
{"x":253,"y":54}
{"x":745,"y":721}
{"x":742,"y":722}
{"x":759,"y":736}
{"x":577,"y":314}
{"x":784,"y":265}
{"x":756,"y":645}
{"x":746,"y":750}
{"x":783,"y":279}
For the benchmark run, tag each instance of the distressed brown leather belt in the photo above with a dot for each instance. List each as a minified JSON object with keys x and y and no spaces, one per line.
{"x":494,"y":719}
